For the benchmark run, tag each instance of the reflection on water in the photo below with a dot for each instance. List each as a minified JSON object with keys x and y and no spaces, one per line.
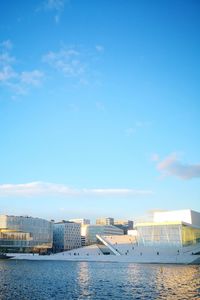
{"x":168,"y":279}
{"x":83,"y":278}
{"x":99,"y":281}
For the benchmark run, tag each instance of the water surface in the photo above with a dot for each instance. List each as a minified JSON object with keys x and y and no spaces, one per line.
{"x":99,"y":281}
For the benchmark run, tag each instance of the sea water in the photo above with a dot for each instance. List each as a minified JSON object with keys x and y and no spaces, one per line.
{"x":96,"y":280}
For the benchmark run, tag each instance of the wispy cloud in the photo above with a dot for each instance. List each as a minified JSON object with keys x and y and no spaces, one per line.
{"x":55,"y":6}
{"x":18,"y":82}
{"x":7,"y":44}
{"x":38,"y":188}
{"x":99,"y":48}
{"x":32,"y":78}
{"x":74,"y":62}
{"x":7,"y":73}
{"x":172,"y":166}
{"x":67,"y":61}
{"x":130,"y":131}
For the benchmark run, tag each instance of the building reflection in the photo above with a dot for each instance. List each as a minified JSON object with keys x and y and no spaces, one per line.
{"x":163,"y":281}
{"x":182,"y":281}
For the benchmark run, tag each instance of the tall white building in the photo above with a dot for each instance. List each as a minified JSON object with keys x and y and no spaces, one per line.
{"x":66,"y":236}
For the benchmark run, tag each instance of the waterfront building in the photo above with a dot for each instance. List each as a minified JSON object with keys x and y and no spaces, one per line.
{"x":125,"y":225}
{"x":170,"y":237}
{"x":80,"y":221}
{"x":66,"y":236}
{"x":105,"y":221}
{"x":25,"y":234}
{"x":90,"y":232}
{"x":172,"y":228}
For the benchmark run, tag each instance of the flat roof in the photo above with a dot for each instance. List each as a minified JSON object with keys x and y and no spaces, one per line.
{"x":143,"y":224}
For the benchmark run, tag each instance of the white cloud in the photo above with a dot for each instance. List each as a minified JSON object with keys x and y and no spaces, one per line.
{"x":172,"y":166}
{"x":7,"y":44}
{"x":6,"y":59}
{"x":67,"y":61}
{"x":137,"y":126}
{"x":53,"y":189}
{"x":7,"y":73}
{"x":10,"y":77}
{"x":55,"y":6}
{"x":74,"y":62}
{"x":99,"y":48}
{"x":32,"y":78}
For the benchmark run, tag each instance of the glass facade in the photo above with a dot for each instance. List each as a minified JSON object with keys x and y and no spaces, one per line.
{"x":25,"y":233}
{"x":190,"y":235}
{"x":159,"y":235}
{"x":90,"y":232}
{"x":167,"y":234}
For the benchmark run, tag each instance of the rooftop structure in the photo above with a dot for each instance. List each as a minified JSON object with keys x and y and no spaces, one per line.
{"x":187,"y":216}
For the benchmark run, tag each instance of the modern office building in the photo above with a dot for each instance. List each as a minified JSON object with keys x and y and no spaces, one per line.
{"x":25,"y":234}
{"x":80,"y":221}
{"x":66,"y":236}
{"x":90,"y":232}
{"x":125,"y":225}
{"x":105,"y":221}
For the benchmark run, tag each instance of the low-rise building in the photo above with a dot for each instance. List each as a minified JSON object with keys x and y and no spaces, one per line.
{"x":90,"y":232}
{"x":25,"y":234}
{"x":105,"y":221}
{"x":66,"y":236}
{"x":80,"y":221}
{"x":125,"y":225}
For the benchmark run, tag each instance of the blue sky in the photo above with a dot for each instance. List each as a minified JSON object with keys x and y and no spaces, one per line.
{"x":99,"y":107}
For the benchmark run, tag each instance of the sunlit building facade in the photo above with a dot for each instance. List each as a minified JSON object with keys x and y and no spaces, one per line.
{"x":174,"y":228}
{"x":105,"y":221}
{"x":90,"y":232}
{"x":66,"y":236}
{"x":80,"y":221}
{"x":25,"y":234}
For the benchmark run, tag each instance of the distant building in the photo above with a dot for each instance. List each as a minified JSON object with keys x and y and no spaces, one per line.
{"x":80,"y":221}
{"x":125,"y":225}
{"x":66,"y":236}
{"x":25,"y":234}
{"x":105,"y":221}
{"x":89,"y":232}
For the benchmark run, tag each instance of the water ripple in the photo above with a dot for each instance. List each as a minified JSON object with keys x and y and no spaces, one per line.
{"x":37,"y":280}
